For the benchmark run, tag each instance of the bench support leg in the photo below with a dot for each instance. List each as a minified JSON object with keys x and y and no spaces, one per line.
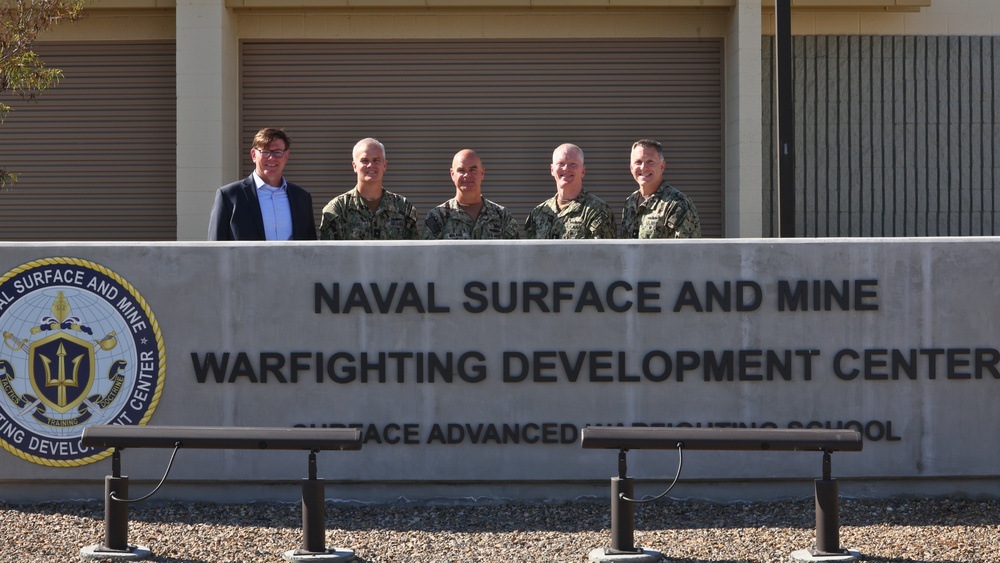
{"x":827,"y":518}
{"x":313,"y":549}
{"x":115,"y":513}
{"x":115,"y":546}
{"x":827,"y":548}
{"x":622,"y":515}
{"x":313,"y":516}
{"x":623,"y":548}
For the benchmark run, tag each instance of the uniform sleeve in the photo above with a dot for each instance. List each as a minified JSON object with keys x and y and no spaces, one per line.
{"x":433,"y":226}
{"x":529,"y":226}
{"x":329,"y":227}
{"x":604,"y":226}
{"x":510,"y":227}
{"x":628,"y":217}
{"x":411,"y":230}
{"x":688,"y":224}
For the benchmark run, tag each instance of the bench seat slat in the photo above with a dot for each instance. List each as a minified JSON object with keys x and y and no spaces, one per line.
{"x":778,"y":439}
{"x":221,"y":437}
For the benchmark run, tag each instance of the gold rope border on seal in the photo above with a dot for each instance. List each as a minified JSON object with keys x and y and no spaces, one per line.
{"x":161,"y":351}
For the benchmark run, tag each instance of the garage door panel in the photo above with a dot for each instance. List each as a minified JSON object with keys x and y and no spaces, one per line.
{"x":512,"y":101}
{"x":95,"y":156}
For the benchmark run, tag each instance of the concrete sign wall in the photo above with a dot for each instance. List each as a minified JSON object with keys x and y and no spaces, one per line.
{"x":480,"y":363}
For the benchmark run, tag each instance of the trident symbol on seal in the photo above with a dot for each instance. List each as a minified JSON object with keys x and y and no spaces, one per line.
{"x":61,"y":381}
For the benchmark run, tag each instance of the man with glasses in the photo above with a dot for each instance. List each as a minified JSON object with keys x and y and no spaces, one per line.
{"x":263,"y":206}
{"x":572,"y":213}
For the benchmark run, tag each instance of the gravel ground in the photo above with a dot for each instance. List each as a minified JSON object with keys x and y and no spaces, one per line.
{"x":910,"y":530}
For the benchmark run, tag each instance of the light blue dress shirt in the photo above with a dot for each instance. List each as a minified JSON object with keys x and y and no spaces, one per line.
{"x":274,"y":209}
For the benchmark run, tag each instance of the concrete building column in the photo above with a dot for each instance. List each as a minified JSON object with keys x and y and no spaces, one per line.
{"x":207,"y":110}
{"x":744,"y":168}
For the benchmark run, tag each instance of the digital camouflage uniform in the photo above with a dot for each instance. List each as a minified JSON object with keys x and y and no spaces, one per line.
{"x":347,"y":217}
{"x":587,"y":216}
{"x":668,"y":213}
{"x":450,"y":221}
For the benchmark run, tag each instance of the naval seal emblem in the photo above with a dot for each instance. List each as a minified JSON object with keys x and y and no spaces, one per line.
{"x":80,"y":347}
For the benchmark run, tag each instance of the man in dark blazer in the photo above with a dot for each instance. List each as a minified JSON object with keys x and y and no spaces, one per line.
{"x":263,"y":206}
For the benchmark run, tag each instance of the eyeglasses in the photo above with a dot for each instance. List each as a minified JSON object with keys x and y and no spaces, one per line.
{"x":266,"y":153}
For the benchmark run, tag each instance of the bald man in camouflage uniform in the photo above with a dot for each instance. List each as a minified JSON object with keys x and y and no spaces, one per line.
{"x":656,"y":209}
{"x":469,"y":215}
{"x":572,"y":213}
{"x":369,"y":211}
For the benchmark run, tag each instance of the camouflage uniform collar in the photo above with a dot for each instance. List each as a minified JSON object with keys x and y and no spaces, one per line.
{"x":659,"y":194}
{"x":358,"y":201}
{"x":579,"y":201}
{"x":488,"y":211}
{"x":662,"y":191}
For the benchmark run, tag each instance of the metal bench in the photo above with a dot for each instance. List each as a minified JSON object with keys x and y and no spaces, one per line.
{"x":115,"y":545}
{"x":624,"y":439}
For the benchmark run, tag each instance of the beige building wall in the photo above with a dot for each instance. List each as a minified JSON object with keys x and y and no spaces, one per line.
{"x":142,"y":21}
{"x":744,"y":174}
{"x":207,"y":110}
{"x":208,"y":34}
{"x":907,"y":17}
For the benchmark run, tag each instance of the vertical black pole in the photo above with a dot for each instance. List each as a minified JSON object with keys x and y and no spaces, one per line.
{"x":313,"y":511}
{"x":622,"y":515}
{"x":827,"y":513}
{"x":785,"y":112}
{"x":115,"y":513}
{"x":622,"y":511}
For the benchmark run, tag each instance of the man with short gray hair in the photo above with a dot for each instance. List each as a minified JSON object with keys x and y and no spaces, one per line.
{"x":656,"y":209}
{"x":369,"y":211}
{"x":572,"y":213}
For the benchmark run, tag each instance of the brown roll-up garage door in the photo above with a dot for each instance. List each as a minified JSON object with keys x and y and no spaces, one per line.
{"x":95,"y":156}
{"x":512,"y":101}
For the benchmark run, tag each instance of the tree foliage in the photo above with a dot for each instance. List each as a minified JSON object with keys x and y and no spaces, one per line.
{"x":22,"y":72}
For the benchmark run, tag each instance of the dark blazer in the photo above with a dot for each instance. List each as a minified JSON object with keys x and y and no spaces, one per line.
{"x":236,"y":213}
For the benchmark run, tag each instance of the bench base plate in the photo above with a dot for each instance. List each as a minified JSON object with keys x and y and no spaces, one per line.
{"x":331,"y":556}
{"x":100,"y":553}
{"x":806,"y":555}
{"x":601,"y":555}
